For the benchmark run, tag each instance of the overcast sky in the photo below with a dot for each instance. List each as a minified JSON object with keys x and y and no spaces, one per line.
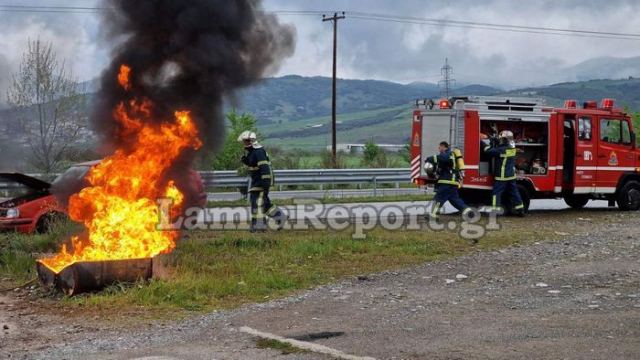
{"x":381,"y":50}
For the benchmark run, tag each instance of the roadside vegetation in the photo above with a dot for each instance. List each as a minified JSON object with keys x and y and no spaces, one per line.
{"x":217,"y":270}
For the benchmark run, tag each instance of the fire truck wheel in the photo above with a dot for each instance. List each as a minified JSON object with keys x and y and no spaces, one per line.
{"x":576,"y":201}
{"x":629,"y":196}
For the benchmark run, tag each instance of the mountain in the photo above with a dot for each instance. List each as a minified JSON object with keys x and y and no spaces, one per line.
{"x":625,"y":92}
{"x":291,"y":98}
{"x":608,"y":67}
{"x":371,"y":119}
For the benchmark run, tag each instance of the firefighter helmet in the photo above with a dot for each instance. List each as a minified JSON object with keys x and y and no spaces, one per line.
{"x":430,"y":170}
{"x":506,"y":137}
{"x":506,"y":134}
{"x":247,"y":135}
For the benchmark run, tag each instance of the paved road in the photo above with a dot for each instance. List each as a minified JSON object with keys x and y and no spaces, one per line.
{"x":574,"y":299}
{"x":329,"y":211}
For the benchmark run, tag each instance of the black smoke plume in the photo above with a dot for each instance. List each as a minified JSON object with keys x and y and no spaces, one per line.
{"x":187,"y":55}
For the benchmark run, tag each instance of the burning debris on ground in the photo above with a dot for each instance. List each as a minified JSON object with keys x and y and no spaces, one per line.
{"x":160,"y":101}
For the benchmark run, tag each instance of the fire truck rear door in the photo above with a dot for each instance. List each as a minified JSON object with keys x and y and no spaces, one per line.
{"x":437,"y":126}
{"x":584,"y":178}
{"x":615,"y":152}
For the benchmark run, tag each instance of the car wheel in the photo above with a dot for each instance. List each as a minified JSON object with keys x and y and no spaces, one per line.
{"x":629,"y":196}
{"x":576,"y":201}
{"x":47,"y":221}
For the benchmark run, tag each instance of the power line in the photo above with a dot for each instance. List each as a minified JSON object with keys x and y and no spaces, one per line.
{"x":373,"y":17}
{"x":505,"y":28}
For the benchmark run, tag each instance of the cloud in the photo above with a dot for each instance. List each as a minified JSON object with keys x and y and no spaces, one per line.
{"x":386,"y":50}
{"x":408,"y":52}
{"x":74,"y":38}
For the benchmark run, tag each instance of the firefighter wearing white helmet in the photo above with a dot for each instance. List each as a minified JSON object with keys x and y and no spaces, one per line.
{"x":505,"y":172}
{"x":257,"y":161}
{"x":444,"y":167}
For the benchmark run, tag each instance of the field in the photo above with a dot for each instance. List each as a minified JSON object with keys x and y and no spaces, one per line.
{"x":217,"y":270}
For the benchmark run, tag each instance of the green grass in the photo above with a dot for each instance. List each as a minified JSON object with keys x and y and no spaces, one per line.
{"x":216,"y":270}
{"x":396,"y":130}
{"x":332,"y":200}
{"x":18,"y":251}
{"x":283,"y":347}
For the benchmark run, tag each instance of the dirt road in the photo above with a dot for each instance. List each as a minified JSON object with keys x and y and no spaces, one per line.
{"x":578,"y":298}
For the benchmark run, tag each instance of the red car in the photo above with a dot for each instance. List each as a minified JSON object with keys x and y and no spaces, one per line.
{"x":32,"y":205}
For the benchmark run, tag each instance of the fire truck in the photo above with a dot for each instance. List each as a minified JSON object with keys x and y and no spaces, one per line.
{"x":577,"y":153}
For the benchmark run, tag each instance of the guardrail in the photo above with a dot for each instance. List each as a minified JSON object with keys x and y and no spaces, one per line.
{"x":320,"y":177}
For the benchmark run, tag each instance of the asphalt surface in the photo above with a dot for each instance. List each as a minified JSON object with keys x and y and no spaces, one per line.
{"x":578,"y":298}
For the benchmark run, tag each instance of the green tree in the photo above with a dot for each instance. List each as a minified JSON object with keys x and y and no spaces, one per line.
{"x":376,"y":157}
{"x":372,"y":153}
{"x":229,"y":157}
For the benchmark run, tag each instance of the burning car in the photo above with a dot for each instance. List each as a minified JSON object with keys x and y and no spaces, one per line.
{"x":30,"y":206}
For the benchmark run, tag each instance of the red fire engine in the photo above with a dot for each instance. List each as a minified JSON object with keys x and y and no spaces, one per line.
{"x":575,"y":153}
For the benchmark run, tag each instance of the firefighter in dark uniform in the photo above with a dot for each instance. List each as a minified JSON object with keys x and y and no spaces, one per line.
{"x":261,"y":173}
{"x":448,"y":180}
{"x":505,"y":172}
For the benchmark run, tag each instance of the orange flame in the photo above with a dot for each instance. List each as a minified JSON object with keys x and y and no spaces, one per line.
{"x":123,"y":76}
{"x":119,"y":207}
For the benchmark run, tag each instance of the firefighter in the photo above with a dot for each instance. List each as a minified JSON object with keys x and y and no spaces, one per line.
{"x":448,"y":175}
{"x":505,"y":172}
{"x":261,"y":174}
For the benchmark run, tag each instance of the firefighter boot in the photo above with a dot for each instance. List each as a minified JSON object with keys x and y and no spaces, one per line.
{"x":280,"y":217}
{"x":258,"y":225}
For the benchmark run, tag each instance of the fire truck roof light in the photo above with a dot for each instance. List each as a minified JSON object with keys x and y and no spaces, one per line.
{"x":444,"y":104}
{"x":590,"y":105}
{"x":570,"y":104}
{"x":607,"y":104}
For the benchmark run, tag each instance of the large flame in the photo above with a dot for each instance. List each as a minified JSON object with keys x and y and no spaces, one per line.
{"x":119,"y":206}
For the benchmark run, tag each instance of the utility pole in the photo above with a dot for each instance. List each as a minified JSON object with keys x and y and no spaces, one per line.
{"x":447,"y":81}
{"x":335,"y":19}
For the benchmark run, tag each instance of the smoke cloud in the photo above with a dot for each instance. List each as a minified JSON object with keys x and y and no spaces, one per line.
{"x":188,"y":55}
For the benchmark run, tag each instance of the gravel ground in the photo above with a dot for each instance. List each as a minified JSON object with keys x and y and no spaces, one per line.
{"x":578,"y":298}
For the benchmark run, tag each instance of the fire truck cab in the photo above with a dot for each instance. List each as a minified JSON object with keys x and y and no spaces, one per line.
{"x":577,"y":153}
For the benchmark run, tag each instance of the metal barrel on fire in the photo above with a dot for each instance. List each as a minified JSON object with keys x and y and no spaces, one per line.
{"x":84,"y":276}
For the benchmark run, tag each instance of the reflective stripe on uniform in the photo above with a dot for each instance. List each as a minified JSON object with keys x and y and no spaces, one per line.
{"x":509,"y":153}
{"x":271,"y":210}
{"x":253,"y":168}
{"x":256,"y":188}
{"x":501,"y":178}
{"x":448,"y":182}
{"x":435,"y":209}
{"x":266,"y":176}
{"x":264,"y":162}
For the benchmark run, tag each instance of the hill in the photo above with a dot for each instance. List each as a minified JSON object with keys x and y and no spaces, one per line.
{"x":390,"y":124}
{"x":625,"y":92}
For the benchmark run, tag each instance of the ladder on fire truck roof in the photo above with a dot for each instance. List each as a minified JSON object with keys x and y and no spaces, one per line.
{"x":498,"y":108}
{"x":503,"y":103}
